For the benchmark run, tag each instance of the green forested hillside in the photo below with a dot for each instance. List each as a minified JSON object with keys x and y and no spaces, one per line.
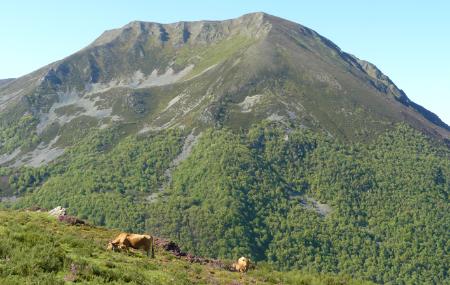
{"x":101,"y":179}
{"x":277,"y":193}
{"x":389,"y":203}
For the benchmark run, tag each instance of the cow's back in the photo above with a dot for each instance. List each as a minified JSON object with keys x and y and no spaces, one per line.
{"x":120,"y":239}
{"x":139,"y":241}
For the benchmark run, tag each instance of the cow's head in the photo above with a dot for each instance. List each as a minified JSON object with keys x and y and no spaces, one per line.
{"x":111,"y":246}
{"x":116,"y":246}
{"x":244,"y":262}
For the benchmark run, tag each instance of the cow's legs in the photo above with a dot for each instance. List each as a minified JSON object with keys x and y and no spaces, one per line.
{"x":153,"y":247}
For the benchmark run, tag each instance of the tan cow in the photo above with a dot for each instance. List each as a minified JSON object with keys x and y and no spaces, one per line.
{"x":136,"y":241}
{"x":241,"y":265}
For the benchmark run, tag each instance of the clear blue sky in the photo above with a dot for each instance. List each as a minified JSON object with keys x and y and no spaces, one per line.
{"x":408,"y":40}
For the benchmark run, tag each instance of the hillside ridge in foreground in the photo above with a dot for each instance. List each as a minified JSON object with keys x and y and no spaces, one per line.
{"x":41,"y":250}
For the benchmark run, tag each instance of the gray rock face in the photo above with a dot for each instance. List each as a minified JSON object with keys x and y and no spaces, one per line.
{"x":9,"y":198}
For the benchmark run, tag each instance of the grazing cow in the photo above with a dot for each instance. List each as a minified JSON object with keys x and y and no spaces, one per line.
{"x":136,"y":241}
{"x":241,"y":265}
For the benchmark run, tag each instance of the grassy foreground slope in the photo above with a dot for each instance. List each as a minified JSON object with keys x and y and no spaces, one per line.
{"x":37,"y":249}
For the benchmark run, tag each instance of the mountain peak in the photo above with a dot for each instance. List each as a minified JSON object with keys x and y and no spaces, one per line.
{"x":200,"y":74}
{"x":256,"y":16}
{"x":250,"y":25}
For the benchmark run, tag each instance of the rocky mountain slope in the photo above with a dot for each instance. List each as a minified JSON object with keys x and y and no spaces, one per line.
{"x":5,"y":81}
{"x":150,"y":76}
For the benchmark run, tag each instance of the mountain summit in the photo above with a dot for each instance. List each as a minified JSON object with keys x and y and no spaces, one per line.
{"x":149,"y":76}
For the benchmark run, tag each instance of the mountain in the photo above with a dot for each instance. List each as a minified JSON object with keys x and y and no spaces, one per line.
{"x":253,"y":136}
{"x":78,"y":254}
{"x":5,"y":81}
{"x":151,"y":76}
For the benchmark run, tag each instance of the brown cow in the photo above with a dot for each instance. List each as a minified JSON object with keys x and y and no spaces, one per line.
{"x":136,"y":241}
{"x":241,"y":265}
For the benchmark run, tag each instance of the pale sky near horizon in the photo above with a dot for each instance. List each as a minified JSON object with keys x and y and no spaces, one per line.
{"x":408,"y":40}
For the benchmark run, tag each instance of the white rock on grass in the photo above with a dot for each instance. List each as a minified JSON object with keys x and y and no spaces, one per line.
{"x":58,"y":211}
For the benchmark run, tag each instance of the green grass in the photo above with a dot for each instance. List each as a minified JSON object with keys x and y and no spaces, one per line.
{"x":41,"y":250}
{"x":208,"y":55}
{"x":74,"y":130}
{"x":69,"y":110}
